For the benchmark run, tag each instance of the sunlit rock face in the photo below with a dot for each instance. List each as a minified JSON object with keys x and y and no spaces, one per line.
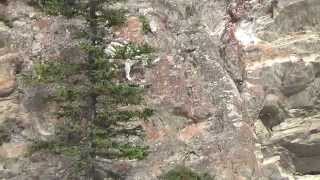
{"x":235,"y":86}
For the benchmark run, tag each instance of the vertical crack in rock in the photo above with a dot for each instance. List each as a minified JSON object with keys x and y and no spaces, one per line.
{"x":231,"y":50}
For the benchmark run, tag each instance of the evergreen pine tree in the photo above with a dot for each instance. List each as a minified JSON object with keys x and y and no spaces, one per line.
{"x":93,"y":99}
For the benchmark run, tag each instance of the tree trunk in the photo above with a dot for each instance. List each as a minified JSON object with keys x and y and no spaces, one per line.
{"x":92,"y":98}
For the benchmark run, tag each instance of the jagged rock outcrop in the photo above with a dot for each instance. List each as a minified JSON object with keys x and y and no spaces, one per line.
{"x":235,"y":86}
{"x":282,"y":87}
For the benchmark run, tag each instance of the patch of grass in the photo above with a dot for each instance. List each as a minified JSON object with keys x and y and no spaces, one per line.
{"x":184,"y":173}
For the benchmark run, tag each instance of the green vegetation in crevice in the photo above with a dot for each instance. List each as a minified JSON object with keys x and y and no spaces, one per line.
{"x":145,"y":24}
{"x":96,"y":110}
{"x":184,"y":173}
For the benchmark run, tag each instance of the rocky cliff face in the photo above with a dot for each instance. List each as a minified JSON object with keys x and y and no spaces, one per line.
{"x":282,"y":86}
{"x":235,"y":86}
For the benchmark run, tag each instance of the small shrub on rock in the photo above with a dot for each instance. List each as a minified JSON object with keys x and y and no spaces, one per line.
{"x":184,"y":173}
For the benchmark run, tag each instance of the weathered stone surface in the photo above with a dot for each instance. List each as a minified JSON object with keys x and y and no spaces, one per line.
{"x":200,"y":114}
{"x":282,"y":65}
{"x":132,"y":30}
{"x":8,"y":62}
{"x":13,"y":150}
{"x":235,"y":87}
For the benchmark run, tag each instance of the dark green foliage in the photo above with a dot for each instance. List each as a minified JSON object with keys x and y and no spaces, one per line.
{"x":184,"y":173}
{"x":55,"y":147}
{"x":134,"y":52}
{"x":133,"y":152}
{"x":145,"y":24}
{"x":53,"y":7}
{"x":94,"y":101}
{"x":130,"y":51}
{"x":68,"y":8}
{"x":71,"y":8}
{"x":126,"y":94}
{"x":97,"y":137}
{"x":147,"y":113}
{"x":113,"y":17}
{"x":52,"y":71}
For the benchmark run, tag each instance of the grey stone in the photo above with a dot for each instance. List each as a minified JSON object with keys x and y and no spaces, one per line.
{"x":235,"y":87}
